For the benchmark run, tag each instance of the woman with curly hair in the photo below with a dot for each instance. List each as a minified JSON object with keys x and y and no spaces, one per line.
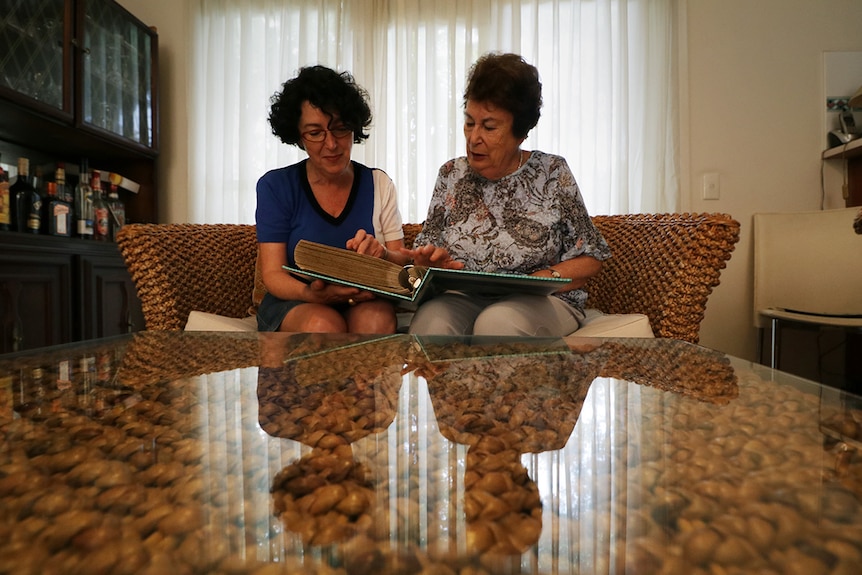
{"x":503,"y":209}
{"x":326,"y":198}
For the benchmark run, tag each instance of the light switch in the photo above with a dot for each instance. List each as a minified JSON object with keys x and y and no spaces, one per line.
{"x":711,"y":187}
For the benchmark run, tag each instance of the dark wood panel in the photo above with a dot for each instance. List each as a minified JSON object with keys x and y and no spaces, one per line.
{"x":36,"y":299}
{"x":110,"y":305}
{"x":57,"y":290}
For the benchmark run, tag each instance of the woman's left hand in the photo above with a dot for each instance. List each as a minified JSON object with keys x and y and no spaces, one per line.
{"x":432,"y":256}
{"x":365,"y":243}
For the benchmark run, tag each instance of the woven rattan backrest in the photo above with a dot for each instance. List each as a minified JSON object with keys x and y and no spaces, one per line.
{"x":178,"y":268}
{"x":410,"y":233}
{"x":664,"y":266}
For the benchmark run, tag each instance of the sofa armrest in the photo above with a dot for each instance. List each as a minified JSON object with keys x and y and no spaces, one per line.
{"x":178,"y":268}
{"x":664,"y":266}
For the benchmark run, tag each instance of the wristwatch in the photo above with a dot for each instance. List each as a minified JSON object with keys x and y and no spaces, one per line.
{"x":554,"y":273}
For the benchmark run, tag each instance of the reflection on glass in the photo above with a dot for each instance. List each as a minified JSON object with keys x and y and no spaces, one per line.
{"x":31,"y":49}
{"x":328,"y":402}
{"x":117,"y":93}
{"x":258,"y":453}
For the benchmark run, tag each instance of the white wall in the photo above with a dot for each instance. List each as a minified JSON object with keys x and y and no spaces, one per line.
{"x":756,"y":114}
{"x":753,"y":101}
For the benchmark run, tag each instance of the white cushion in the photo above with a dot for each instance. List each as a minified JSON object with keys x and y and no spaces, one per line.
{"x":203,"y":321}
{"x":598,"y":324}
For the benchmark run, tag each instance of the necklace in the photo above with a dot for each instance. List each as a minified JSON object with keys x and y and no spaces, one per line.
{"x":520,"y":160}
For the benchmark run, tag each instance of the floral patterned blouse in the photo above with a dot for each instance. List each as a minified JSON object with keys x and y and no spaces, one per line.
{"x":527,"y":221}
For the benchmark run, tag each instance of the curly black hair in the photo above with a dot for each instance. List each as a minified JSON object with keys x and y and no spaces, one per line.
{"x":508,"y":82}
{"x":337,"y":94}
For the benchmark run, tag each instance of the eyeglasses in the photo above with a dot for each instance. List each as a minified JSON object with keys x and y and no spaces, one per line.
{"x":320,"y":135}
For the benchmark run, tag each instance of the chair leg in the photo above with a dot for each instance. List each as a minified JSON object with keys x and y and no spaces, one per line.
{"x":773,"y":351}
{"x":773,"y":344}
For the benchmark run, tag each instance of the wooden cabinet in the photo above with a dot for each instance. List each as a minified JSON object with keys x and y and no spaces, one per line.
{"x":57,"y":290}
{"x":78,"y":78}
{"x":851,"y":153}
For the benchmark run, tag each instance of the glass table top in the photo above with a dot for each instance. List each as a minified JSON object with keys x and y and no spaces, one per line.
{"x":172,"y":452}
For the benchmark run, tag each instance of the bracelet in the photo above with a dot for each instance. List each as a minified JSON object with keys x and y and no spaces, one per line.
{"x":385,"y":253}
{"x":555,"y":273}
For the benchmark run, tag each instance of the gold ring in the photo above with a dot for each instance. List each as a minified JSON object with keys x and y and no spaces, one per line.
{"x":351,"y":301}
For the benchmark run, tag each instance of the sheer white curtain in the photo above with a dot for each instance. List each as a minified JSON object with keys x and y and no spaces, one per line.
{"x":608,"y":69}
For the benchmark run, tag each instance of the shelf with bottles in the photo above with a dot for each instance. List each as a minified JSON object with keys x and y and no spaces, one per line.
{"x":135,"y":175}
{"x":55,"y":199}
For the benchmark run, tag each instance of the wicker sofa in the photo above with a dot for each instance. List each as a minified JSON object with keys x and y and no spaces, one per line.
{"x":664,"y":267}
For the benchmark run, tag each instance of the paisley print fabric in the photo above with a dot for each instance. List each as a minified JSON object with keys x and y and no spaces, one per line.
{"x":527,"y":221}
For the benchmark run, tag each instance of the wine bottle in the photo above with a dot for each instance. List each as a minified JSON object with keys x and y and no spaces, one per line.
{"x":117,"y":209}
{"x":101,"y":221}
{"x":5,"y":206}
{"x":27,"y":201}
{"x":84,"y":203}
{"x":59,"y":213}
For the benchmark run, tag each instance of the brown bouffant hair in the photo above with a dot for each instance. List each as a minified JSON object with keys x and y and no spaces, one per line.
{"x":337,"y":94}
{"x":508,"y":82}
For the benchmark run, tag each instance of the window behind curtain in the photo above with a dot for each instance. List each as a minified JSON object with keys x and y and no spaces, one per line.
{"x":607,"y":68}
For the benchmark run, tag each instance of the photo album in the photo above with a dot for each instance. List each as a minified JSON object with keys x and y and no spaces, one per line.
{"x":409,"y":285}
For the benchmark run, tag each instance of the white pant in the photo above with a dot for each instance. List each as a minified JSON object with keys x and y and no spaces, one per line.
{"x":458,"y":313}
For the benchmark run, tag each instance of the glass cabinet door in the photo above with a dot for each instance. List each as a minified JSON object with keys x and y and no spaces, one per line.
{"x":117,"y":72}
{"x":34,"y":46}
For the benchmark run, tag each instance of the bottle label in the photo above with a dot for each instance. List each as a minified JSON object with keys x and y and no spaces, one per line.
{"x":61,"y":219}
{"x":101,"y":223}
{"x":5,"y":217}
{"x":7,"y":397}
{"x":64,"y":375}
{"x":34,"y":218}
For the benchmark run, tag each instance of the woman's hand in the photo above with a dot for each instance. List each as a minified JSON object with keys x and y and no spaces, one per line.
{"x":320,"y":291}
{"x":365,"y":243}
{"x":432,"y":256}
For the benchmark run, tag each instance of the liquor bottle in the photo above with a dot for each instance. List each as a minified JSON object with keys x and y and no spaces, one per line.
{"x":86,"y":383}
{"x":63,"y":191}
{"x":65,"y":196}
{"x":27,"y":202}
{"x":118,"y":211}
{"x":64,"y":374}
{"x":101,"y":221}
{"x":40,"y":184}
{"x":84,"y":203}
{"x":5,"y":205}
{"x":59,"y":213}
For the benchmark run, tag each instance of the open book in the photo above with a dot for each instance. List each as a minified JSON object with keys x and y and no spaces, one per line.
{"x":409,"y":285}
